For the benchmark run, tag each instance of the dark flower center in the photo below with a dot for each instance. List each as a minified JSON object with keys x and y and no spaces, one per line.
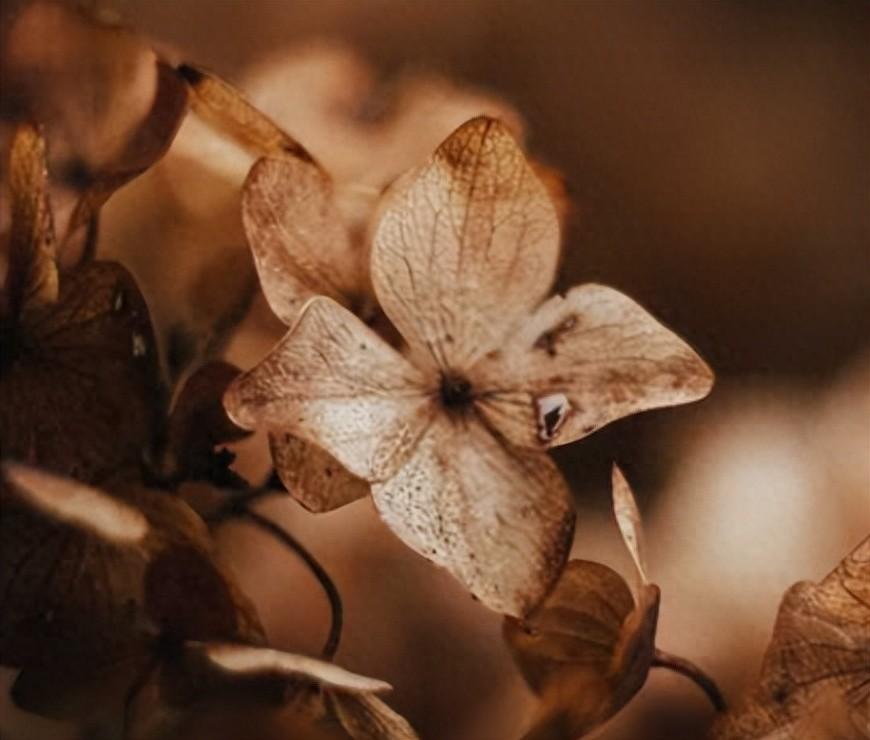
{"x":455,"y":391}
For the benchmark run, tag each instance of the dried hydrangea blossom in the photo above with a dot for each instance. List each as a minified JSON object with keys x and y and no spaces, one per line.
{"x":102,"y":595}
{"x":452,"y":435}
{"x":816,"y":671}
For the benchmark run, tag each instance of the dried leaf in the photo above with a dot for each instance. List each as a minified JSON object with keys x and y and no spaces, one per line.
{"x":466,"y":246}
{"x":312,"y":476}
{"x":600,"y":355}
{"x":31,"y":279}
{"x":587,"y":649}
{"x":820,"y":651}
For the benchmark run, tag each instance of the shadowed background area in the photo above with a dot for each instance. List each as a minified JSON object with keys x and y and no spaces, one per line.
{"x":717,"y":161}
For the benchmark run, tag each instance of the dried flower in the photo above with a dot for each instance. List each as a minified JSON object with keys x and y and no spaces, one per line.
{"x":451,"y":436}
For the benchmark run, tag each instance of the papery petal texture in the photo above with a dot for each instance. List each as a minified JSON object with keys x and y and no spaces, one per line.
{"x":335,"y":383}
{"x":582,"y":361}
{"x":498,"y":518}
{"x":466,"y":245}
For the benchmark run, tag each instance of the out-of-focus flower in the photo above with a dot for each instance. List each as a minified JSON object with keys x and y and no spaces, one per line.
{"x":452,"y":438}
{"x":103,"y":594}
{"x":80,"y":387}
{"x":816,"y":671}
{"x":109,"y":106}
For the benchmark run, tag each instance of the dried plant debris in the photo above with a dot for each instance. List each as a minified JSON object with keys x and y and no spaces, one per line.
{"x":102,"y":594}
{"x":80,"y":388}
{"x":587,"y":649}
{"x":815,"y":679}
{"x":110,"y":107}
{"x":452,"y":433}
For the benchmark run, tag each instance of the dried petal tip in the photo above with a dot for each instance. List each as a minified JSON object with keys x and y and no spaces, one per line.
{"x":629,"y":521}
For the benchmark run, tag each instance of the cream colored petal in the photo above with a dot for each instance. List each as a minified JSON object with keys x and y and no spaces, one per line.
{"x":466,"y":245}
{"x":628,"y":519}
{"x":365,"y":717}
{"x":582,"y":361}
{"x":335,"y":383}
{"x":246,"y":661}
{"x":498,"y":518}
{"x":300,"y":244}
{"x":312,"y":476}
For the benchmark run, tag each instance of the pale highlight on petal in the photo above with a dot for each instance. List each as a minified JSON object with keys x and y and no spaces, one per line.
{"x":600,"y":355}
{"x":499,"y":519}
{"x":76,"y":504}
{"x":365,"y":717}
{"x":628,"y":519}
{"x":335,"y":383}
{"x":312,"y":476}
{"x":466,"y":246}
{"x":251,"y":661}
{"x":300,"y":244}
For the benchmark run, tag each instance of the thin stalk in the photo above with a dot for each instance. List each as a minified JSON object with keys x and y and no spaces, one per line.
{"x":237,"y":511}
{"x":688,"y":669}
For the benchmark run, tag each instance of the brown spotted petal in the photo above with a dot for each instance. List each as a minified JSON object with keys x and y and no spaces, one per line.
{"x":819,"y":656}
{"x":466,"y":245}
{"x":80,"y":386}
{"x":582,"y":361}
{"x":312,"y":476}
{"x":336,"y":384}
{"x":498,"y":518}
{"x":300,"y":243}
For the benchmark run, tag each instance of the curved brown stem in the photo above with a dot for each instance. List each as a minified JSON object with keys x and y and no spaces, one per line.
{"x":694,"y":673}
{"x":237,"y":509}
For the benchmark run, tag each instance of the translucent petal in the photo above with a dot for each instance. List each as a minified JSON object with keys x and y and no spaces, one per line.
{"x":582,"y":361}
{"x":499,"y":519}
{"x":333,"y":382}
{"x":467,"y":244}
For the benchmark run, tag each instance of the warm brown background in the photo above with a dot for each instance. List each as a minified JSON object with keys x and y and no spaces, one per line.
{"x":718,"y":160}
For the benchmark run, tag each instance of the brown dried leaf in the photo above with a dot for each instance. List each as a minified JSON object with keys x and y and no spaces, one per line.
{"x":819,"y":652}
{"x":587,"y":649}
{"x":465,"y":247}
{"x":582,"y":361}
{"x":110,"y":108}
{"x":80,"y":389}
{"x":31,"y":279}
{"x":312,"y":476}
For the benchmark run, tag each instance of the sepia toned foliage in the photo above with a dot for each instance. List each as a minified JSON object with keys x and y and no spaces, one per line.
{"x":102,"y":594}
{"x":451,"y":434}
{"x":815,"y":680}
{"x":587,"y":648}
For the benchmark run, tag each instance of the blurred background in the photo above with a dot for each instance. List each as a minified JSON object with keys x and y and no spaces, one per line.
{"x":717,"y":161}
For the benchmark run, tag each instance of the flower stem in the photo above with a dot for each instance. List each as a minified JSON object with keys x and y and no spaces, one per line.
{"x":694,"y":673}
{"x":238,"y":511}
